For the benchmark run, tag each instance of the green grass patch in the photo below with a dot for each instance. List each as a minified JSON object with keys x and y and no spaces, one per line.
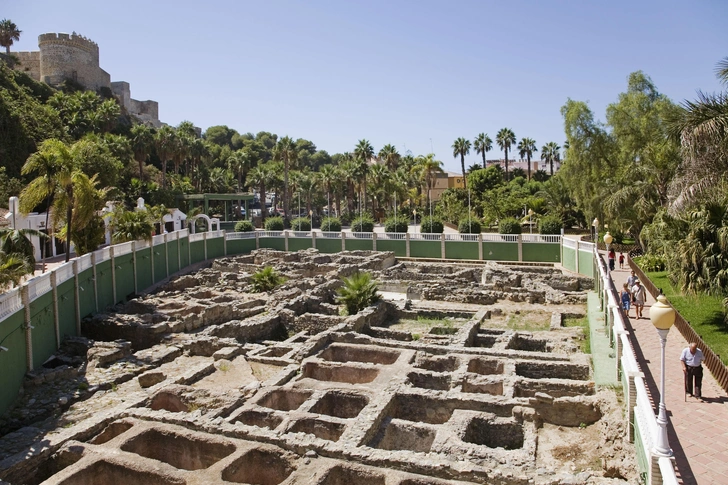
{"x":529,"y":321}
{"x":583,"y":323}
{"x":703,"y":312}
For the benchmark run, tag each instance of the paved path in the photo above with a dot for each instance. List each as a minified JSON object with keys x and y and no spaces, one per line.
{"x":698,"y":431}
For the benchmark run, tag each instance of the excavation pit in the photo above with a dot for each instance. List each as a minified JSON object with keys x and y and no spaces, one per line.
{"x":284,"y":399}
{"x":168,"y":401}
{"x":485,"y":341}
{"x":346,"y":374}
{"x":413,"y":407}
{"x":399,"y":435}
{"x":529,"y":388}
{"x":429,"y":381}
{"x":180,"y":451}
{"x":552,"y":370}
{"x":258,"y":467}
{"x":326,"y":430}
{"x":344,"y":475}
{"x":276,"y":352}
{"x":438,"y":363}
{"x":485,"y":366}
{"x":355,"y":353}
{"x":110,"y":432}
{"x":528,"y":344}
{"x":340,"y":404}
{"x":113,"y":474}
{"x":485,"y":387}
{"x":259,"y":419}
{"x":494,"y":433}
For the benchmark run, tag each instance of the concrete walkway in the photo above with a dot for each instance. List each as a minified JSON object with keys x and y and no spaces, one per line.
{"x":698,"y":431}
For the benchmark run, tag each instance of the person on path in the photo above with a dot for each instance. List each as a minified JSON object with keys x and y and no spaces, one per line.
{"x":626,"y":297}
{"x":621,"y":260}
{"x":611,"y":256}
{"x":639,"y":295}
{"x":692,"y":359}
{"x":631,"y":279}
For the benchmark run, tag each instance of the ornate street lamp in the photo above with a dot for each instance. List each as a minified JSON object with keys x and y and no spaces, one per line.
{"x":662,"y":316}
{"x":608,"y":240}
{"x":595,"y":227}
{"x":530,"y":224}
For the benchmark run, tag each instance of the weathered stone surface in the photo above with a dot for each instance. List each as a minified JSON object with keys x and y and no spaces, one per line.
{"x":151,"y":378}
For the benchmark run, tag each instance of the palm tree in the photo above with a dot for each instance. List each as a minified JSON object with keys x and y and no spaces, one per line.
{"x":328,"y":176}
{"x":15,"y":241}
{"x":390,"y":156}
{"x":261,"y":176}
{"x":8,"y":33}
{"x":482,"y":145}
{"x":164,"y":142}
{"x":551,"y":152}
{"x":349,"y":173}
{"x":426,"y":166}
{"x":286,"y":152}
{"x":363,"y":151}
{"x":13,"y":267}
{"x":142,"y":139}
{"x":379,"y":176}
{"x":526,"y":147}
{"x":461,"y":147}
{"x":505,"y":139}
{"x":359,"y":291}
{"x":238,"y":162}
{"x":131,"y":226}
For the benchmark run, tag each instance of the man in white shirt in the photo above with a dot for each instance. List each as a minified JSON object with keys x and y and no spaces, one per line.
{"x":692,"y":358}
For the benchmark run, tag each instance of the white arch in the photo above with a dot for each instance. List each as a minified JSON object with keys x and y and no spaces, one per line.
{"x":210,"y":222}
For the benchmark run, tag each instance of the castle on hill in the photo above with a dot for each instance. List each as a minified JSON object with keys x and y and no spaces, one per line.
{"x":74,"y":57}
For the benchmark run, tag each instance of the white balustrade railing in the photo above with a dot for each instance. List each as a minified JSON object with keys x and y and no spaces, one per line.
{"x":214,"y":234}
{"x":500,"y":238}
{"x":462,"y":237}
{"x":38,"y":286}
{"x":158,"y":239}
{"x":239,"y":235}
{"x":541,"y":238}
{"x":362,"y":235}
{"x":64,"y":272}
{"x":306,"y":234}
{"x":393,"y":236}
{"x":10,"y":302}
{"x":425,"y":236}
{"x":272,"y":234}
{"x":123,"y":248}
{"x":84,"y":262}
{"x":331,"y":234}
{"x":183,"y":233}
{"x":103,"y":254}
{"x":198,"y":236}
{"x":586,"y":246}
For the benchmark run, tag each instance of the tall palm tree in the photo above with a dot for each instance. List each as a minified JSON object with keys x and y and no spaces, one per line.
{"x":426,"y":166}
{"x":364,"y":151}
{"x":261,"y":176}
{"x":551,"y":152}
{"x":378,"y":176}
{"x":461,"y":147}
{"x":142,"y":140}
{"x":328,"y":176}
{"x":390,"y":156}
{"x":8,"y":33}
{"x":482,"y":145}
{"x":164,"y":142}
{"x":349,"y":171}
{"x":238,"y":162}
{"x":286,"y":152}
{"x":526,"y":147}
{"x":505,"y":139}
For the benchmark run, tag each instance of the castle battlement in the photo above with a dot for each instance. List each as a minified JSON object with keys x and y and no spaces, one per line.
{"x":71,"y":40}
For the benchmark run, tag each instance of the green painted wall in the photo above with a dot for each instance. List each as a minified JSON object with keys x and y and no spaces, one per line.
{"x":297,"y":244}
{"x":124,"y":274}
{"x":273,"y":243}
{"x":643,"y":460}
{"x":160,"y":262}
{"x":569,"y":261}
{"x":86,"y":295}
{"x":495,"y":251}
{"x":328,"y":244}
{"x":542,"y":252}
{"x":240,"y":246}
{"x":173,"y":256}
{"x":144,"y":269}
{"x":197,"y":251}
{"x":399,"y":247}
{"x":586,"y":263}
{"x":353,"y":244}
{"x":67,"y":308}
{"x":184,"y":251}
{"x":12,"y":362}
{"x":44,"y":330}
{"x":215,"y":247}
{"x":104,"y":284}
{"x":425,"y":249}
{"x":461,"y":250}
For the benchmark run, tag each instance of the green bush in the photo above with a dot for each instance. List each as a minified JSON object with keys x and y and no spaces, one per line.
{"x":396,"y":224}
{"x":550,"y":225}
{"x":359,"y":291}
{"x":469,"y":226}
{"x":331,"y":224}
{"x":509,"y":226}
{"x":244,"y":226}
{"x":431,"y":225}
{"x":266,"y":279}
{"x":651,"y":263}
{"x":301,"y":224}
{"x":345,"y":218}
{"x":274,"y":224}
{"x":365,"y":223}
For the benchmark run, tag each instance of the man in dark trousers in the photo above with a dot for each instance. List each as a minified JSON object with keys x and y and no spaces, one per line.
{"x":692,"y":358}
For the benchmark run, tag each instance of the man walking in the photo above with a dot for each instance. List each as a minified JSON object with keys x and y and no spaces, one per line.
{"x":692,"y":358}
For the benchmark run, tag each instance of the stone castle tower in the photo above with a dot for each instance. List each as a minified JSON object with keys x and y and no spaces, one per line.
{"x":73,"y":57}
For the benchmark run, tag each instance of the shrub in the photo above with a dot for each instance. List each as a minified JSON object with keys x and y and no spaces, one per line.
{"x":364,"y":223}
{"x":301,"y":224}
{"x":469,"y":226}
{"x":266,"y":279}
{"x":550,"y":225}
{"x":431,"y":225}
{"x":651,"y":263}
{"x":396,"y":224}
{"x":244,"y":226}
{"x":274,"y":224}
{"x":509,"y":226}
{"x":331,"y":224}
{"x":345,"y":218}
{"x":359,"y":291}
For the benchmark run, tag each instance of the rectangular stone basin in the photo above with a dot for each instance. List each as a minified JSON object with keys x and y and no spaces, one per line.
{"x":340,"y":404}
{"x":103,"y":472}
{"x":404,"y":435}
{"x":178,"y":450}
{"x":356,"y":353}
{"x":259,"y":467}
{"x":485,"y":366}
{"x":284,"y":399}
{"x":326,"y":430}
{"x":552,"y":370}
{"x":344,"y":475}
{"x":347,"y":374}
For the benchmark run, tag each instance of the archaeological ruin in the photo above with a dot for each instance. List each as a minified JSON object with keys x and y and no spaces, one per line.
{"x":463,"y":372}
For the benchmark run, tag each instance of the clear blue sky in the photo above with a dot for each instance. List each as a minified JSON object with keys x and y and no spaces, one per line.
{"x":411,"y":73}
